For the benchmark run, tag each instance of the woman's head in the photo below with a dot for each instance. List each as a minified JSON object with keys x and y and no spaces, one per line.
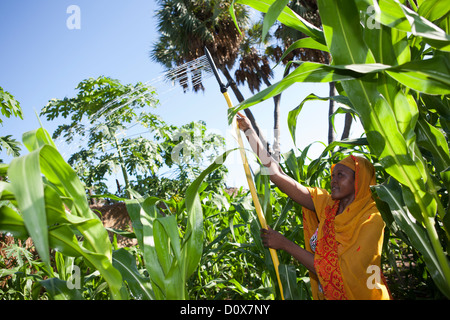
{"x":352,"y":178}
{"x":342,"y":183}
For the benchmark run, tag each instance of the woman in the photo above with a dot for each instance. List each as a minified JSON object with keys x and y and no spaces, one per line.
{"x":343,"y":230}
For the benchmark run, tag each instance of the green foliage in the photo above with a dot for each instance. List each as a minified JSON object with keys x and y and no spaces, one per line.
{"x":51,"y":207}
{"x":102,"y":110}
{"x":198,"y":241}
{"x":9,"y":106}
{"x":42,"y":185}
{"x":207,"y":240}
{"x":203,"y":228}
{"x":393,"y":67}
{"x":170,"y":259}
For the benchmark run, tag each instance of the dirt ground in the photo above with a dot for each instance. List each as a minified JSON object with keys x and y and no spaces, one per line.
{"x":115,"y":216}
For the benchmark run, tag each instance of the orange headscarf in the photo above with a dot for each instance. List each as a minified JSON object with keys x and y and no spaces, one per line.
{"x":348,"y":253}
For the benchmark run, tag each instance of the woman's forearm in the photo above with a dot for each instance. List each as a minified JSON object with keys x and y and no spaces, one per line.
{"x":275,"y":240}
{"x":258,"y":147}
{"x":301,"y":255}
{"x":286,"y":184}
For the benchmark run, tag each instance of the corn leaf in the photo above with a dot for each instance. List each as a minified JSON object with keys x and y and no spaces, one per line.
{"x":305,"y":72}
{"x":139,"y":286}
{"x":58,"y":290}
{"x":289,"y":279}
{"x":293,"y":114}
{"x":193,"y":246}
{"x":167,"y":241}
{"x":27,"y":186}
{"x":143,"y":213}
{"x":433,"y":9}
{"x":396,"y":15}
{"x":91,"y":228}
{"x":391,"y":193}
{"x":376,"y":67}
{"x":431,"y":76}
{"x":434,"y":141}
{"x":6,"y":193}
{"x":41,"y":205}
{"x":169,"y":259}
{"x":303,"y":43}
{"x":376,"y":114}
{"x":12,"y":222}
{"x":288,"y":18}
{"x":3,"y":169}
{"x":400,"y":158}
{"x":36,"y":139}
{"x":63,"y":239}
{"x":389,"y":46}
{"x":272,"y":14}
{"x":63,"y":177}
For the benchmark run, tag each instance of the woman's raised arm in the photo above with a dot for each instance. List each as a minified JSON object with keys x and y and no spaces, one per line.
{"x":286,"y":184}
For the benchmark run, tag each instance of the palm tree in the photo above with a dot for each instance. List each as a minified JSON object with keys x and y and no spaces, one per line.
{"x":254,"y":69}
{"x":187,"y":26}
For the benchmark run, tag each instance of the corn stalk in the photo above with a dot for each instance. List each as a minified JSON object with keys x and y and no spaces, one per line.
{"x":170,"y":259}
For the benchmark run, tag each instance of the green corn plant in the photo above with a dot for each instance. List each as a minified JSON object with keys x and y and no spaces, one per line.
{"x":139,"y":286}
{"x":230,"y":267}
{"x":276,"y":208}
{"x":171,"y":253}
{"x":42,"y":185}
{"x":235,"y":264}
{"x":393,"y":66}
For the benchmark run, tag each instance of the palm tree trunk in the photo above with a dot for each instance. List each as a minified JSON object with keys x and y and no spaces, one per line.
{"x":347,"y":125}
{"x":276,"y":119}
{"x":330,"y":113}
{"x":120,"y":155}
{"x":276,"y":128}
{"x":327,"y":57}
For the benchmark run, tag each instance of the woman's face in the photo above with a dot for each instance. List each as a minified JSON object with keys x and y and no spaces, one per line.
{"x":342,"y":183}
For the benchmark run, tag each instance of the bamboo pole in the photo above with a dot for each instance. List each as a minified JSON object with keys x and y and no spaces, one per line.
{"x":251,"y":185}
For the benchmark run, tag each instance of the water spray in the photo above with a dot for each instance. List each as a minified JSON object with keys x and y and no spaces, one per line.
{"x":251,"y":185}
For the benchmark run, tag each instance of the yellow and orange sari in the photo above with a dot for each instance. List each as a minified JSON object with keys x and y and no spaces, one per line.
{"x":348,"y":251}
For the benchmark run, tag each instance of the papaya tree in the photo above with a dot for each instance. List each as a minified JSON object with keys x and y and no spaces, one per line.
{"x":9,"y":106}
{"x":102,"y":112}
{"x":102,"y":108}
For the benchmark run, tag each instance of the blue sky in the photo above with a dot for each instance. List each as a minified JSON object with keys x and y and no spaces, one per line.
{"x":42,"y":58}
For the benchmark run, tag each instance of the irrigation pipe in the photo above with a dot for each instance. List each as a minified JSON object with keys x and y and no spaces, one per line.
{"x":251,"y":185}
